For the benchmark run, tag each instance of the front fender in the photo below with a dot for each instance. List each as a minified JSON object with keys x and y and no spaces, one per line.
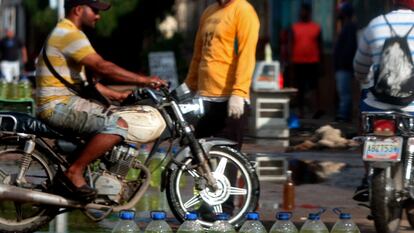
{"x":207,"y":144}
{"x":185,"y":152}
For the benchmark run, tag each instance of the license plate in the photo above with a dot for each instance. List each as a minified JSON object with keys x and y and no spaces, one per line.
{"x":383,"y":149}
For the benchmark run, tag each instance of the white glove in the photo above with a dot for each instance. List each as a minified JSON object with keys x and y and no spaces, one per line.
{"x":236,"y":106}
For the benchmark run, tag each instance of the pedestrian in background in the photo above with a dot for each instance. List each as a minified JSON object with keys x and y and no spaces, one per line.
{"x":222,"y":67}
{"x":344,"y":52}
{"x":306,"y":54}
{"x":11,"y":50}
{"x":221,"y":72}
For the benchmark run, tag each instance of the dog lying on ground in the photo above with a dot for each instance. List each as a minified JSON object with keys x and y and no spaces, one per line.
{"x":324,"y":137}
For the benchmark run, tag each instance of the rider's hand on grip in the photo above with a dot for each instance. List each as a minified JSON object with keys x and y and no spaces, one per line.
{"x":155,"y":82}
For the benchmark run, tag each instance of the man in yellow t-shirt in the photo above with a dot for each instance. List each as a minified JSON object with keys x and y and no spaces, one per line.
{"x":221,"y":72}
{"x":69,"y":52}
{"x":222,"y":67}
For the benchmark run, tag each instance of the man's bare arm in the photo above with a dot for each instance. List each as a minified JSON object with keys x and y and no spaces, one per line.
{"x":115,"y":73}
{"x":112,"y":94}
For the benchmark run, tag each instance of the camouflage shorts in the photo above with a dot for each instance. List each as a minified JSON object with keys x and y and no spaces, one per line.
{"x":83,"y":117}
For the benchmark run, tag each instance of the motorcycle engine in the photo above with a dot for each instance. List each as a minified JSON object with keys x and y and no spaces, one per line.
{"x":110,"y":182}
{"x":110,"y":186}
{"x":121,"y":159}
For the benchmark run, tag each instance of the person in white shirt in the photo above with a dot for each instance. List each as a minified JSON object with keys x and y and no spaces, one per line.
{"x":368,"y":55}
{"x":370,"y":48}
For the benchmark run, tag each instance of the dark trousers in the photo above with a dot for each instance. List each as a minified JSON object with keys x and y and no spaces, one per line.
{"x":307,"y":80}
{"x":216,"y":123}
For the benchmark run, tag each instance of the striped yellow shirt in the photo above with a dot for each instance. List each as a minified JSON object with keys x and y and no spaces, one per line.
{"x":66,"y":47}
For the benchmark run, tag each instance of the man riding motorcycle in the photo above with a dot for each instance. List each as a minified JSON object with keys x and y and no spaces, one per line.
{"x":67,"y":53}
{"x":369,"y":54}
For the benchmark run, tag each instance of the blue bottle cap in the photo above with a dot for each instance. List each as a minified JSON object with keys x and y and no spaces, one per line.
{"x":158,"y":215}
{"x":191,"y":216}
{"x":222,"y":216}
{"x":175,"y":150}
{"x":313,"y":216}
{"x":161,"y":150}
{"x":252,"y":216}
{"x":345,"y":216}
{"x":127,"y":214}
{"x":144,"y":146}
{"x":283,"y":215}
{"x":133,"y":145}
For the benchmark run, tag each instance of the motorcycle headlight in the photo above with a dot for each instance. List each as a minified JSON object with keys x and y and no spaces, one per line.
{"x":195,"y":106}
{"x":182,"y":93}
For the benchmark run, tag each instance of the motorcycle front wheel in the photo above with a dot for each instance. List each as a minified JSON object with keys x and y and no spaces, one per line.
{"x":20,"y":216}
{"x":238,"y":188}
{"x":386,"y":207}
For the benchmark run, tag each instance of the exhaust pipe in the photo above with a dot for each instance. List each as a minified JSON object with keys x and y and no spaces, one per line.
{"x":13,"y":193}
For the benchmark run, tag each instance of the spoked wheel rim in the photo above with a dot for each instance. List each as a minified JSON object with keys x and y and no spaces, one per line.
{"x":37,"y":177}
{"x":196,"y":199}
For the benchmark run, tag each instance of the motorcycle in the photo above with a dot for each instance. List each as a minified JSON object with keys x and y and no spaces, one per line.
{"x":388,"y":151}
{"x":203,"y":176}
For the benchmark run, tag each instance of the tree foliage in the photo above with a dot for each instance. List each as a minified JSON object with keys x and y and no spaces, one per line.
{"x":41,"y":17}
{"x":110,"y":19}
{"x":121,"y":35}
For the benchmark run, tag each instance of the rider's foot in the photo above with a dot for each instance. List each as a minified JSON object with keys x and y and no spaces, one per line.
{"x":64,"y":186}
{"x":362,"y":192}
{"x":76,"y":179}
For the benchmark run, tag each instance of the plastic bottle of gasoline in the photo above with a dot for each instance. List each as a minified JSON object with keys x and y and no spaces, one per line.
{"x":283,"y":224}
{"x":344,"y":224}
{"x":126,"y":223}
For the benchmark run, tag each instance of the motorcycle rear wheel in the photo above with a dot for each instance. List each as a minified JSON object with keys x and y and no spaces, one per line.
{"x":241,"y":185}
{"x":385,"y":208}
{"x":24,"y":217}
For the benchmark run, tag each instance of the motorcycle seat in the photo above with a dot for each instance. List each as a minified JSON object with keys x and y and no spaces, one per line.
{"x":26,"y":124}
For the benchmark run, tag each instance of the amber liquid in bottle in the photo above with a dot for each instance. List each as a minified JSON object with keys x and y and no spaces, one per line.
{"x":289,"y":193}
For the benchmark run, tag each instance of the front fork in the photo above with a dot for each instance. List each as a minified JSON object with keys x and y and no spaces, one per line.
{"x":203,"y":161}
{"x":196,"y":149}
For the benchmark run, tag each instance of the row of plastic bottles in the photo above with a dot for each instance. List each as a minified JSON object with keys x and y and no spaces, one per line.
{"x":159,"y":225}
{"x":15,"y":90}
{"x":126,"y":224}
{"x":252,"y":224}
{"x":313,"y":224}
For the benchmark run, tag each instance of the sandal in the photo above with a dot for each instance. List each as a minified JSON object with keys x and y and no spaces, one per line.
{"x":63,"y":186}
